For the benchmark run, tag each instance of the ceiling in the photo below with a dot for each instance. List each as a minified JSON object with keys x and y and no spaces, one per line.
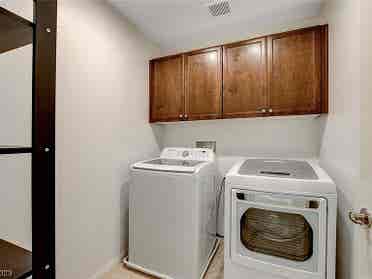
{"x":174,"y":24}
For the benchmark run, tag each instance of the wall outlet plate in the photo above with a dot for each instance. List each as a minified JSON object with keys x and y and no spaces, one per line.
{"x":207,"y":144}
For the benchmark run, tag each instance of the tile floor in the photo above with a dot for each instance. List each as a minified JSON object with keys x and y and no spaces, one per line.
{"x":215,"y":270}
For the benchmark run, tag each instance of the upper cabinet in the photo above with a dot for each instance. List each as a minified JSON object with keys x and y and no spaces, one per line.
{"x":167,"y":89}
{"x":282,"y":74}
{"x":245,"y":79}
{"x":295,"y":72}
{"x":203,"y":84}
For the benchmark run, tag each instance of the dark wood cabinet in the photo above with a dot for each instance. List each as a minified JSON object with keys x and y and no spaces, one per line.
{"x":187,"y":86}
{"x":295,"y":72}
{"x":281,"y":74}
{"x":245,"y":79}
{"x":167,"y":89}
{"x":203,"y":84}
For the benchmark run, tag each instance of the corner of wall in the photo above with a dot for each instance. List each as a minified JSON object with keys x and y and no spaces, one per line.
{"x":340,"y":148}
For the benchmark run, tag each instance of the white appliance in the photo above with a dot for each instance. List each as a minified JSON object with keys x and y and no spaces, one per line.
{"x":172,"y":214}
{"x":280,"y":220}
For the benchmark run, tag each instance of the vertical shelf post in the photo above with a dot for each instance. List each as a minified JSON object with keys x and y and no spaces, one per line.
{"x":43,"y":139}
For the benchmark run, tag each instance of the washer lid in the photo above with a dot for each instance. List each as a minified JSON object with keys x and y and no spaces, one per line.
{"x":278,"y":168}
{"x":169,"y":165}
{"x":173,"y":162}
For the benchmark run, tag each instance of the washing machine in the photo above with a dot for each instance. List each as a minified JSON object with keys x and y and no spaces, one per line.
{"x":172,"y":214}
{"x":280,"y":220}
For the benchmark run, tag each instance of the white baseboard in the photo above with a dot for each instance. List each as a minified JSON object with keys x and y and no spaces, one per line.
{"x":105,"y":268}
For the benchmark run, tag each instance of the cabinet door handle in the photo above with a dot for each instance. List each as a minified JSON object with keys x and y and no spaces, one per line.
{"x":270,"y":110}
{"x":263,"y":110}
{"x":180,"y":116}
{"x":186,"y":116}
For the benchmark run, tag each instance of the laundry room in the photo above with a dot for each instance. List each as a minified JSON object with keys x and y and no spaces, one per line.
{"x":185,"y":139}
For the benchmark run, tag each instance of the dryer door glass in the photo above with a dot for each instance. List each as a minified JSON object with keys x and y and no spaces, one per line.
{"x":279,"y":234}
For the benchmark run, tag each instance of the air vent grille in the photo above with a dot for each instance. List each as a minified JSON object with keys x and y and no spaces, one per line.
{"x":219,"y":7}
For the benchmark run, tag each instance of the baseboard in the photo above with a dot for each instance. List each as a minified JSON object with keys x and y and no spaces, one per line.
{"x":163,"y":276}
{"x":105,"y":268}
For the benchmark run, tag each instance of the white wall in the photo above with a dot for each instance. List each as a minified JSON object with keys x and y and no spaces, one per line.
{"x":341,"y":150}
{"x":16,"y":97}
{"x":15,"y":125}
{"x":276,"y":136}
{"x":15,"y":205}
{"x":102,"y":127}
{"x":366,"y":98}
{"x":363,"y":235}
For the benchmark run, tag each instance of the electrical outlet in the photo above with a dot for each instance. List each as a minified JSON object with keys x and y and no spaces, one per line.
{"x":207,"y":144}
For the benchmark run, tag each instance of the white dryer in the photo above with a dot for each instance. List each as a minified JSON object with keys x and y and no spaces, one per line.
{"x":172,"y":214}
{"x":280,"y":220}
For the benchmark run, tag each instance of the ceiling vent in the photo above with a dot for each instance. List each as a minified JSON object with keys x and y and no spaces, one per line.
{"x":218,"y":7}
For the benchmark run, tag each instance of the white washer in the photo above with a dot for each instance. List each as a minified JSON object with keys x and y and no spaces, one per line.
{"x":280,"y":220}
{"x":172,"y":216}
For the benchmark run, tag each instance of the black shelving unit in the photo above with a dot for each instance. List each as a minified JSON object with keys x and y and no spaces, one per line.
{"x":16,"y":32}
{"x":14,"y":150}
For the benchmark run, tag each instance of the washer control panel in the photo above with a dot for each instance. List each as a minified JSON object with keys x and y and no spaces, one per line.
{"x":194,"y":154}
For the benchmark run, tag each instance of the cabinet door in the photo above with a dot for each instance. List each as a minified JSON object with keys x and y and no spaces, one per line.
{"x":166,"y":89}
{"x":203,"y":84}
{"x":245,"y":79}
{"x":295,"y":72}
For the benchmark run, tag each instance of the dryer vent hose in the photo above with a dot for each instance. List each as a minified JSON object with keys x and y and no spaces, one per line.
{"x":220,"y":191}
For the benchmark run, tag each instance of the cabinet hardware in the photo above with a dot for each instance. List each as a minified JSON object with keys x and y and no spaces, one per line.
{"x":270,"y":110}
{"x":262,"y":110}
{"x":180,"y":116}
{"x":186,"y":116}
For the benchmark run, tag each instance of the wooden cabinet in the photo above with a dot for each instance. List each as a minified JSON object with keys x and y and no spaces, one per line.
{"x":281,"y":74}
{"x":203,"y":84}
{"x":167,"y":89}
{"x":245,"y":79}
{"x":295,"y":72}
{"x":186,"y":87}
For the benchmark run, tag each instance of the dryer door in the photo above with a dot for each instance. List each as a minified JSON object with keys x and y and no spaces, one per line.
{"x":285,"y":234}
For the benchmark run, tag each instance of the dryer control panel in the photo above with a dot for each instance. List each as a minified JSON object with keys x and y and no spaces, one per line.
{"x":195,"y":154}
